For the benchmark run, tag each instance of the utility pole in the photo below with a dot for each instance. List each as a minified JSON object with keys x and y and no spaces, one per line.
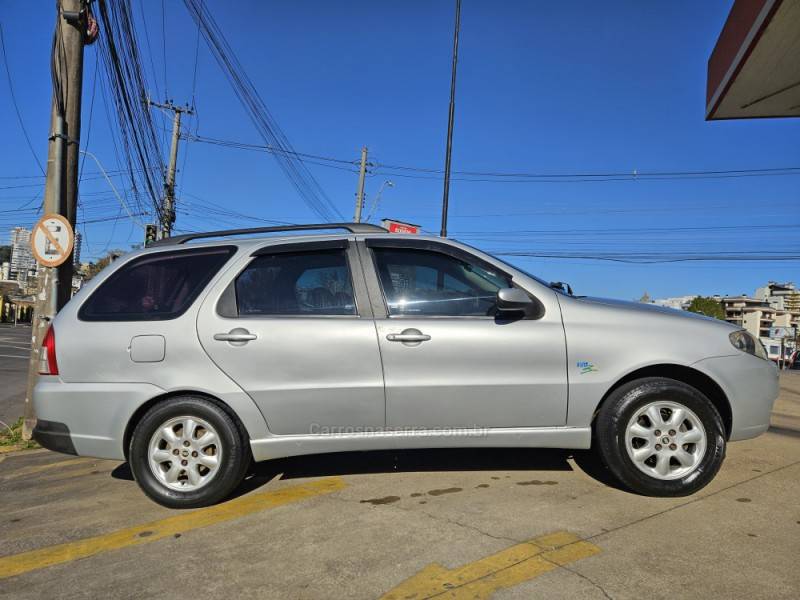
{"x":54,"y":285}
{"x":168,"y":202}
{"x":362,"y":173}
{"x":450,"y":119}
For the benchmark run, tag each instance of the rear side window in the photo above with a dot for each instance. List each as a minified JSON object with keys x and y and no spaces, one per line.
{"x":155,"y":287}
{"x":296,"y":283}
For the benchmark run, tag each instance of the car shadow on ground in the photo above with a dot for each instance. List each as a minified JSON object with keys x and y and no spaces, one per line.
{"x":529,"y":460}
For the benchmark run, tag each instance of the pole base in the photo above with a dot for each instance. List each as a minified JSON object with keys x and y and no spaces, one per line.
{"x":27,"y":429}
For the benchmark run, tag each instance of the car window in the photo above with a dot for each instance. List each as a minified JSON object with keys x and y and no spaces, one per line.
{"x":155,"y":287}
{"x":296,"y":283}
{"x":426,"y":283}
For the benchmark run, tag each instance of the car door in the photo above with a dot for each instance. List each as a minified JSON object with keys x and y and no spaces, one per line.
{"x":448,"y":362}
{"x":294,"y":329}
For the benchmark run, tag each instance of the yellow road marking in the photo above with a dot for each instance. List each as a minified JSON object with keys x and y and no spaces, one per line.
{"x":507,"y":568}
{"x":56,"y":465}
{"x":24,"y":562}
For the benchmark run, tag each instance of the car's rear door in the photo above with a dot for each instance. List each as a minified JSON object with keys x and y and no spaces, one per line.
{"x":294,"y":329}
{"x":448,"y":361}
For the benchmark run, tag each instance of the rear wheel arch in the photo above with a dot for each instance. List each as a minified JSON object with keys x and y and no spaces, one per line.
{"x":142,"y":410}
{"x":692,"y":377}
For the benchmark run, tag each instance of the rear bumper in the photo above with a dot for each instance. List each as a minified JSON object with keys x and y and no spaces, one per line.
{"x":54,"y":436}
{"x":90,"y":418}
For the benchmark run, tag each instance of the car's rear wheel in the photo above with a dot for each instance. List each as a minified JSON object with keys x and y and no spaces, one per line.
{"x":188,"y":452}
{"x":660,"y":437}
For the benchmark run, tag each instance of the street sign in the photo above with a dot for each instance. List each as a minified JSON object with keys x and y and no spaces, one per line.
{"x":777,"y":333}
{"x":399,"y":227}
{"x":52,"y":240}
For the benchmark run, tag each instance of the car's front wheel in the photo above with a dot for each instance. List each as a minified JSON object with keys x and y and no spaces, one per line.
{"x":188,"y":452}
{"x":660,"y":437}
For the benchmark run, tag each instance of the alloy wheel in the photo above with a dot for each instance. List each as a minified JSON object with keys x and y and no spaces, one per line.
{"x":184,"y":453}
{"x":665,"y":440}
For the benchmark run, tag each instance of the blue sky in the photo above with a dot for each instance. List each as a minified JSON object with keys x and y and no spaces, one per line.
{"x":570,"y":87}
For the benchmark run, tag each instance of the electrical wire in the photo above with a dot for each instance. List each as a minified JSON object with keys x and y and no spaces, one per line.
{"x":378,"y":168}
{"x":121,"y":59}
{"x":14,"y":102}
{"x":304,"y":183}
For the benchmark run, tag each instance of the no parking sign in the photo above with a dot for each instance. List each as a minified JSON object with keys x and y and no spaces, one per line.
{"x":52,"y":240}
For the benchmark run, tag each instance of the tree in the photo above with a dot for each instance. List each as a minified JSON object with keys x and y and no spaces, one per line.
{"x":5,"y":254}
{"x":94,"y":268}
{"x":707,"y":306}
{"x":646,"y":298}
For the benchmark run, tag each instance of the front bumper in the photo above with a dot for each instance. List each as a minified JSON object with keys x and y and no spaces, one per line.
{"x":54,"y":436}
{"x":751,"y":386}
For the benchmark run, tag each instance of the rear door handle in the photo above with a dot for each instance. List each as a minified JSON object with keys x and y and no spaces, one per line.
{"x":237,"y":335}
{"x":408,"y":336}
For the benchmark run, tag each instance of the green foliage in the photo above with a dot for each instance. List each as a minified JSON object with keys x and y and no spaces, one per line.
{"x":5,"y":254}
{"x":94,"y":268}
{"x":707,"y":306}
{"x":11,"y":437}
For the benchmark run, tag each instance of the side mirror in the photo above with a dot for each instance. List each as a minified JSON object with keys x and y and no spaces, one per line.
{"x":513,"y":299}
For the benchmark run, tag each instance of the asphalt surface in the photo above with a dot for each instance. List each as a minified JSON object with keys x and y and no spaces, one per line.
{"x":422,"y":524}
{"x":15,"y":345}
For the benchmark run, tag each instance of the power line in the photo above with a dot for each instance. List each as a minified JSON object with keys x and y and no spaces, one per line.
{"x":270,"y":149}
{"x":164,"y":46}
{"x":122,"y":61}
{"x":294,"y":168}
{"x":642,"y":230}
{"x":506,"y":177}
{"x":654,"y":258}
{"x":14,"y":102}
{"x":597,"y":178}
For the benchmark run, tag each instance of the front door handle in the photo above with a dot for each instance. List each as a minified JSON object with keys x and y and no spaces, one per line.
{"x":409,"y":336}
{"x":238,"y":336}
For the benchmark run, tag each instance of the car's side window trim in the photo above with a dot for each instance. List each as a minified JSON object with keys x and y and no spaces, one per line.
{"x":431,"y":246}
{"x":302,"y":247}
{"x":227,"y":305}
{"x":373,"y":284}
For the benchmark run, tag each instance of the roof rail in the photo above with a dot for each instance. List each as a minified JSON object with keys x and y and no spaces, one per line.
{"x":351,"y":227}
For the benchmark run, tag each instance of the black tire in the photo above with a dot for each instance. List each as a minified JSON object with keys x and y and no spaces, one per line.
{"x":620,"y":407}
{"x":231,"y":470}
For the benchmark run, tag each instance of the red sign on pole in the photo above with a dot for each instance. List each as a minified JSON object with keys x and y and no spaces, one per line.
{"x":399,"y":227}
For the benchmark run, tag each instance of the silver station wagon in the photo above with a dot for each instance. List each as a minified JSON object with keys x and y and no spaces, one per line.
{"x":196,"y":356}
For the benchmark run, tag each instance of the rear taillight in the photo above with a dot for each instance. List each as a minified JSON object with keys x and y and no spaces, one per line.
{"x":47,"y":357}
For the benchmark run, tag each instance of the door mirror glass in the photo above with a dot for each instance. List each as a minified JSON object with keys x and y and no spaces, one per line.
{"x":513,"y":299}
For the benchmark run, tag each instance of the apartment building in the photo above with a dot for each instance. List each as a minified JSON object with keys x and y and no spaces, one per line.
{"x":22,"y":261}
{"x":758,"y":315}
{"x":782,"y":296}
{"x":755,"y":315}
{"x":76,"y":251}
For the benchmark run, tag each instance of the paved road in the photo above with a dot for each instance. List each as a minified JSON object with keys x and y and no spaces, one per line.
{"x":15,"y":343}
{"x":445,"y":524}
